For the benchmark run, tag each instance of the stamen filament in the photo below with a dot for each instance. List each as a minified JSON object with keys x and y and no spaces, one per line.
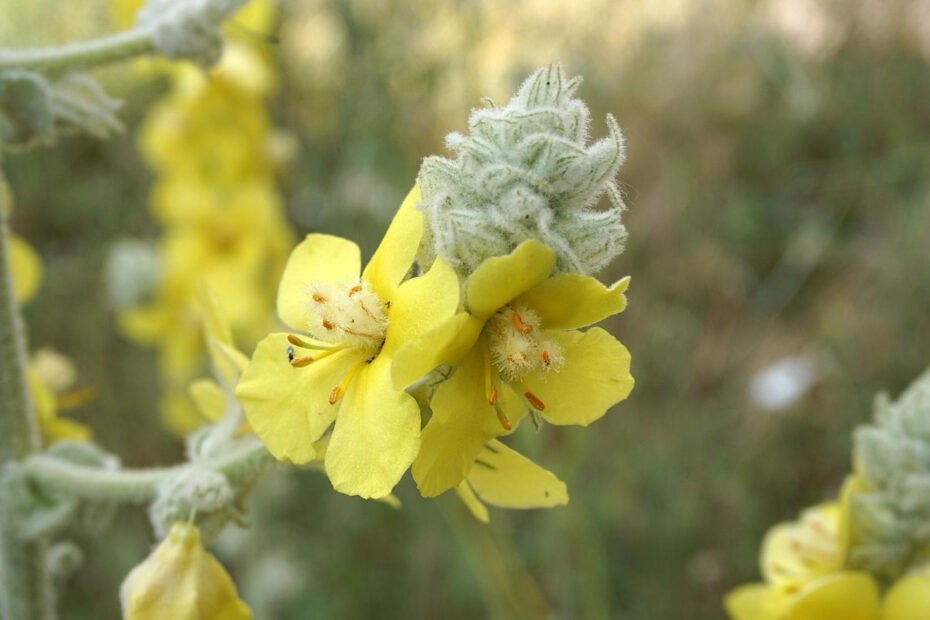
{"x":297,"y":341}
{"x":502,"y":418}
{"x":490,"y":391}
{"x":340,"y":389}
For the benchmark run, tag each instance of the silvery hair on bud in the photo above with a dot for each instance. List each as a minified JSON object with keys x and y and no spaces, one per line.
{"x":525,"y":171}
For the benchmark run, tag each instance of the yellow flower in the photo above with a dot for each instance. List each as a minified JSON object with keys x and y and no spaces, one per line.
{"x":51,"y":376}
{"x":505,"y":478}
{"x":516,"y":346}
{"x":182,"y":581}
{"x":295,"y":387}
{"x":803,"y":566}
{"x":27,"y":269}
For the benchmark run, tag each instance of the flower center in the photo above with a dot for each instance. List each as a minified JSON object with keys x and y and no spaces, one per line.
{"x":518,"y":345}
{"x":350,"y":315}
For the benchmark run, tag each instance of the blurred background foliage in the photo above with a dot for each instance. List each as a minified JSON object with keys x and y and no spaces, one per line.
{"x":777,"y":177}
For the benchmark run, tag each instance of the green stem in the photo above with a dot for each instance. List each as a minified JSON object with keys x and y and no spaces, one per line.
{"x":83,"y":55}
{"x":56,"y":476}
{"x":25,"y":588}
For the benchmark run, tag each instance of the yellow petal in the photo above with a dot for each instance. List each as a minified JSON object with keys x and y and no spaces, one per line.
{"x":594,"y":376}
{"x":376,"y":437}
{"x":287,"y":407}
{"x":421,"y":305}
{"x":228,"y":363}
{"x":209,"y":399}
{"x":181,"y":580}
{"x":27,"y":269}
{"x":839,"y":596}
{"x":394,"y":256}
{"x":445,"y":344}
{"x":462,"y":423}
{"x":755,"y":601}
{"x":908,"y":598}
{"x":571,"y":300}
{"x":178,"y":412}
{"x":499,"y":280}
{"x":505,"y":478}
{"x":471,"y":501}
{"x":318,"y":258}
{"x":786,"y":560}
{"x":52,"y":427}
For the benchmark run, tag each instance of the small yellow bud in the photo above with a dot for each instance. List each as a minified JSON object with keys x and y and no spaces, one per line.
{"x":181,"y":580}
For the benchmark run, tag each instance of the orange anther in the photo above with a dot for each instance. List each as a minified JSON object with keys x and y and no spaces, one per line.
{"x":355,"y":289}
{"x":493,"y":396}
{"x":519,"y":325}
{"x":538,"y":405}
{"x":318,"y":298}
{"x":300,"y":362}
{"x":328,"y":325}
{"x":335,"y":394}
{"x":503,"y":420}
{"x":546,"y":359}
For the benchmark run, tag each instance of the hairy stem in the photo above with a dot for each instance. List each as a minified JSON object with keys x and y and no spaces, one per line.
{"x":55,"y":476}
{"x":25,"y":589}
{"x":83,"y":55}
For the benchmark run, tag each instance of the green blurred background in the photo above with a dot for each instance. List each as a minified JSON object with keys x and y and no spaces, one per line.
{"x":777,"y":176}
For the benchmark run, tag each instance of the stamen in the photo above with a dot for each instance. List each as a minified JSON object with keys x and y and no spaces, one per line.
{"x":303,"y":344}
{"x":519,"y":325}
{"x":318,"y":298}
{"x":340,"y":389}
{"x":355,"y":289}
{"x":300,"y":362}
{"x":534,"y":400}
{"x":546,"y":359}
{"x":362,"y":334}
{"x":328,"y":325}
{"x":490,"y":392}
{"x":502,"y":418}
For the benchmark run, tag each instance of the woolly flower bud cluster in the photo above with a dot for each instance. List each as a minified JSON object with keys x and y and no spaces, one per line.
{"x":523,"y":172}
{"x":890,"y":510}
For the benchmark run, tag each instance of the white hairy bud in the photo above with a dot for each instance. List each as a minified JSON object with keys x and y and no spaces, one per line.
{"x":195,"y":494}
{"x":525,"y":171}
{"x":188,"y":29}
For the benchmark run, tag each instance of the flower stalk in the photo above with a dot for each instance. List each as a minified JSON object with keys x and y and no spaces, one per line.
{"x":25,"y":588}
{"x":83,"y":55}
{"x":56,"y":476}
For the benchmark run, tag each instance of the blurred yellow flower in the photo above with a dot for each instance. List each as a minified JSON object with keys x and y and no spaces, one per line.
{"x":182,"y":581}
{"x":27,"y":269}
{"x":806,"y":579}
{"x":292,"y":385}
{"x":51,"y":376}
{"x":505,"y":478}
{"x":515,"y":347}
{"x":215,"y":156}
